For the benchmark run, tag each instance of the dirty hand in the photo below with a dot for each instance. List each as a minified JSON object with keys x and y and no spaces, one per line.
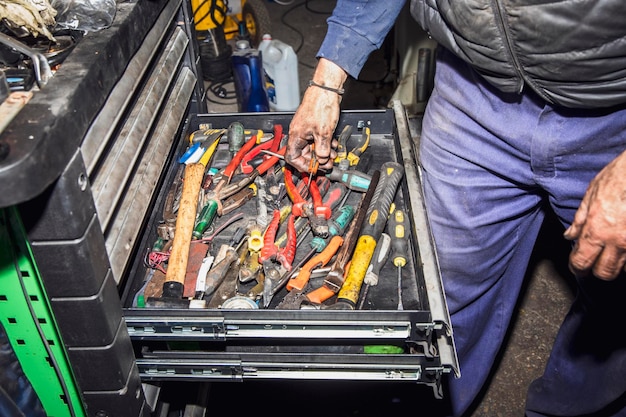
{"x":315,"y":120}
{"x":599,"y":226}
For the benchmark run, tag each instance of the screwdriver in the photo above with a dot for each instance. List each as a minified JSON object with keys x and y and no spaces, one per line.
{"x":205,"y":219}
{"x":399,"y":246}
{"x":371,"y":231}
{"x":378,"y":261}
{"x":354,"y":180}
{"x":236,"y":137}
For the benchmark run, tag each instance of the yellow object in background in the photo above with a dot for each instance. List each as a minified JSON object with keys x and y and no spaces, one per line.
{"x":228,"y":15}
{"x":208,"y":14}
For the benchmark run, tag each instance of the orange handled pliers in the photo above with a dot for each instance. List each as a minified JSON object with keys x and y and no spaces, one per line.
{"x":300,"y":281}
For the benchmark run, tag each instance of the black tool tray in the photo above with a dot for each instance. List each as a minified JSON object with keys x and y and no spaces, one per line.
{"x":377,"y":342}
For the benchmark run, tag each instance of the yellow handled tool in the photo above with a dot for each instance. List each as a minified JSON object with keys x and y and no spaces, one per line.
{"x":371,"y":231}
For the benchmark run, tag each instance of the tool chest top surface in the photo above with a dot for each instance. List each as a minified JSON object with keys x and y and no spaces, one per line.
{"x":41,"y":139}
{"x":236,"y":323}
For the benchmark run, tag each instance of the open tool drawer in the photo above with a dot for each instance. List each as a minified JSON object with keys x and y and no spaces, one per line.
{"x":376,"y":341}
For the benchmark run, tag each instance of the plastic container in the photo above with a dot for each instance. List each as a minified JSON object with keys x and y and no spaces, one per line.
{"x":249,"y":78}
{"x":280,"y":63}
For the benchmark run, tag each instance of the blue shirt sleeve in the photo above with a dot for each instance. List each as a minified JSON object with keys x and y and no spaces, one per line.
{"x":356,"y":29}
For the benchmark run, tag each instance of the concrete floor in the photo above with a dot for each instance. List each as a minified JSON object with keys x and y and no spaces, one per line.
{"x":542,"y":306}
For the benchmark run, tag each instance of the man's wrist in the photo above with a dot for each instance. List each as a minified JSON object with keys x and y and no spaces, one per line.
{"x":323,"y":86}
{"x":328,"y":74}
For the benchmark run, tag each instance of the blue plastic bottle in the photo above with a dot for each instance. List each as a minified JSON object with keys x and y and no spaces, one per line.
{"x":249,"y":79}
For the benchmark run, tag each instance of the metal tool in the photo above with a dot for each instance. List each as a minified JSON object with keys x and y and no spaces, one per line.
{"x":376,"y":218}
{"x":43,"y":73}
{"x":378,"y":261}
{"x":342,"y":146}
{"x":334,"y":279}
{"x":313,"y":164}
{"x":224,"y":189}
{"x":226,"y":286}
{"x":277,"y":261}
{"x":354,"y":155}
{"x":399,"y":246}
{"x":321,"y":259}
{"x":318,"y":210}
{"x":337,"y":226}
{"x":271,"y":146}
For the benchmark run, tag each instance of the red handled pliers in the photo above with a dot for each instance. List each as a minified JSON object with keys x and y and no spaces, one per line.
{"x":272,"y":145}
{"x":316,"y":211}
{"x":277,"y":262}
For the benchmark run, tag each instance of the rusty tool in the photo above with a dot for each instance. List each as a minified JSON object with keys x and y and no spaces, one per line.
{"x":226,"y":287}
{"x":177,"y":263}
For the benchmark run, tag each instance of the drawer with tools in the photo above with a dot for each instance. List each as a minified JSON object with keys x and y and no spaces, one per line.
{"x":251,"y":270}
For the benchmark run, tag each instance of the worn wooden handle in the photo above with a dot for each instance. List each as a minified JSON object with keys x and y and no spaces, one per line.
{"x":185,"y":220}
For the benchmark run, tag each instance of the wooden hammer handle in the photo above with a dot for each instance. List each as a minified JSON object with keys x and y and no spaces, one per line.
{"x":185,"y":221}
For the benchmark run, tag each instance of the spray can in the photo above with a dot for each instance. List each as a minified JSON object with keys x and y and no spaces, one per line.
{"x":249,"y":78}
{"x":280,"y":63}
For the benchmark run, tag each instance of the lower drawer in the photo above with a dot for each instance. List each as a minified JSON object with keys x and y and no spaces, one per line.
{"x":377,"y":339}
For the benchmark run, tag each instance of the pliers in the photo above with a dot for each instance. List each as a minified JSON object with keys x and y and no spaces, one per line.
{"x":316,"y":211}
{"x":321,"y":259}
{"x":272,"y":145}
{"x":347,"y":159}
{"x":225,"y":189}
{"x":277,"y":261}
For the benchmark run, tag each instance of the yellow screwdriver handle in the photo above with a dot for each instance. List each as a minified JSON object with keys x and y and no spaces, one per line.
{"x":359,"y":263}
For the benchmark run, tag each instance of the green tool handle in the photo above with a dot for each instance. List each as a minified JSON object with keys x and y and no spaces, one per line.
{"x":352,"y":179}
{"x":338,"y":224}
{"x":205,"y":219}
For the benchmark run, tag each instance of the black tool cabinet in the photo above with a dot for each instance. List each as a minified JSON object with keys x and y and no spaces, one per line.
{"x":90,"y":183}
{"x":326,"y":344}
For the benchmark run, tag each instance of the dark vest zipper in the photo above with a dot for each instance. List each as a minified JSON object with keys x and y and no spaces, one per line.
{"x":507,"y":39}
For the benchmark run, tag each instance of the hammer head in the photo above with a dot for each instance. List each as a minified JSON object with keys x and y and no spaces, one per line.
{"x":172,"y":297}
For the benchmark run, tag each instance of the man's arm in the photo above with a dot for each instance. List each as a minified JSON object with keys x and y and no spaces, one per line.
{"x":355,"y":29}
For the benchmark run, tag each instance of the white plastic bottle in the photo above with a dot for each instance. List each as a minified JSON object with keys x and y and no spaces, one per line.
{"x":280,"y":63}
